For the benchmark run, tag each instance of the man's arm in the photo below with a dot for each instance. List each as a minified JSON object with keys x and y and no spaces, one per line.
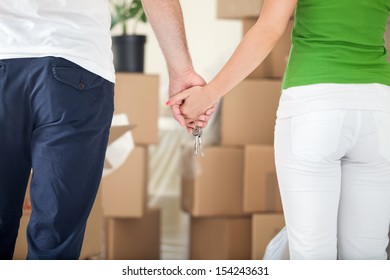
{"x":166,"y":19}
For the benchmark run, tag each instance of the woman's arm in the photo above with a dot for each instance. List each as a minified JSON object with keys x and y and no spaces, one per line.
{"x":250,"y":53}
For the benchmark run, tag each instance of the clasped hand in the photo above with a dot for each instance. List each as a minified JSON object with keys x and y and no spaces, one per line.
{"x":196,"y":105}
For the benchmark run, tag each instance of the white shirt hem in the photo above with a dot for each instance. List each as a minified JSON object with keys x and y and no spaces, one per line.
{"x":304,"y":99}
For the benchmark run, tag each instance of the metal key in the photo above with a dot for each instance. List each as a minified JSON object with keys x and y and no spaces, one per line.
{"x":198,"y":146}
{"x":195,"y":133}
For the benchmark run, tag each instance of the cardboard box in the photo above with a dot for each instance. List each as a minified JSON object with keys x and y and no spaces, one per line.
{"x":93,"y":238}
{"x":94,"y":232}
{"x":239,"y":9}
{"x":264,"y":228}
{"x":134,"y":239}
{"x":261,"y":191}
{"x":217,"y":190}
{"x":174,"y":227}
{"x":276,"y":62}
{"x":124,"y":191}
{"x":20,"y":252}
{"x":137,"y":96}
{"x":248,"y":113}
{"x":120,"y":145}
{"x":387,"y":45}
{"x":220,"y":238}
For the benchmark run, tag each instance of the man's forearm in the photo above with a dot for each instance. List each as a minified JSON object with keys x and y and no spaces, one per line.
{"x":166,"y":19}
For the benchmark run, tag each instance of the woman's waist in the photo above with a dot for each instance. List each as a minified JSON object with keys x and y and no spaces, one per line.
{"x":329,"y":96}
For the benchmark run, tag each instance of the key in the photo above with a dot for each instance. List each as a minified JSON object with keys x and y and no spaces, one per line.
{"x":195,"y":133}
{"x":198,"y":146}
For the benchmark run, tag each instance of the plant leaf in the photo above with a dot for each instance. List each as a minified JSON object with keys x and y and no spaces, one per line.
{"x":126,"y":10}
{"x":144,"y":18}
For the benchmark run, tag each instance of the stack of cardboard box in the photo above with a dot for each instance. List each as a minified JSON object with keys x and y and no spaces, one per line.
{"x":233,"y":198}
{"x":131,"y":230}
{"x":219,"y":228}
{"x":93,"y":235}
{"x":120,"y":225}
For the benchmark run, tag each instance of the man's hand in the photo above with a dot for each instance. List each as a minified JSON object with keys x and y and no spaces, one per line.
{"x":166,"y":19}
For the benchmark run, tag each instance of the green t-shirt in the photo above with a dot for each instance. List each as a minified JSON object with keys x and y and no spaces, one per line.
{"x":338,"y":41}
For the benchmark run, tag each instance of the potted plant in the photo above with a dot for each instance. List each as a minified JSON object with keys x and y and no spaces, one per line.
{"x":128,"y":48}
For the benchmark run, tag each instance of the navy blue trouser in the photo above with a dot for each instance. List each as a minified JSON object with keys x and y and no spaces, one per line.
{"x":54,"y":118}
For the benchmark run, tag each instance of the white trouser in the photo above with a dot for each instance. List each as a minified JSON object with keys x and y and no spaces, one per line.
{"x":333,"y":169}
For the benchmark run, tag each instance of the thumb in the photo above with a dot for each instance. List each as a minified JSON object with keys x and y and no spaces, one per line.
{"x":177,"y":99}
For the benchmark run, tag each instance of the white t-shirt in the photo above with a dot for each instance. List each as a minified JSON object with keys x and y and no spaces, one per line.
{"x":77,"y":30}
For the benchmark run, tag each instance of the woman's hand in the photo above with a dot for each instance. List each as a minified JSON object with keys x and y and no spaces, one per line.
{"x":196,"y":102}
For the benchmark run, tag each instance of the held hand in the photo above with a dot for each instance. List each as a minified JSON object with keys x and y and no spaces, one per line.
{"x":178,"y":84}
{"x":194,"y":102}
{"x":203,"y":119}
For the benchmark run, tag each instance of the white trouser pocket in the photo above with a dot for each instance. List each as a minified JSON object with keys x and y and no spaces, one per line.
{"x":315,"y":136}
{"x":382,"y":120}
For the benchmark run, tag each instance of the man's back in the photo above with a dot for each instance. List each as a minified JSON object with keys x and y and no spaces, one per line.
{"x":72,"y":29}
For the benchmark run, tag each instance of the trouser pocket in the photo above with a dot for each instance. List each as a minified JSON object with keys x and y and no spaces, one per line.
{"x":315,"y":136}
{"x":382,"y":121}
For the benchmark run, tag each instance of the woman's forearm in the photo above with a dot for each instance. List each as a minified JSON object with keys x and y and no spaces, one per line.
{"x":254,"y":47}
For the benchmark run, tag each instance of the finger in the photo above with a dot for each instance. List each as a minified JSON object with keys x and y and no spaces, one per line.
{"x":177,"y":99}
{"x":204,"y":118}
{"x":196,"y":123}
{"x":190,"y":124}
{"x":201,"y":124}
{"x":177,"y":115}
{"x":212,"y":110}
{"x":179,"y":119}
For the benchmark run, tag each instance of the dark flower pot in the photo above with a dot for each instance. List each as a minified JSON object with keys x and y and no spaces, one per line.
{"x":129,"y":53}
